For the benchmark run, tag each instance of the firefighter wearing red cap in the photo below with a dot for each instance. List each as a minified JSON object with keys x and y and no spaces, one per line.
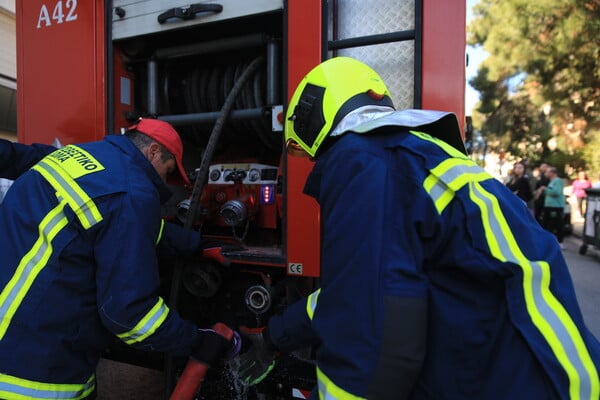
{"x":436,"y":281}
{"x":79,"y":264}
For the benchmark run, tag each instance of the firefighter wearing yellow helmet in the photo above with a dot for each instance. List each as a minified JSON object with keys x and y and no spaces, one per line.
{"x":326,"y":95}
{"x":436,"y":281}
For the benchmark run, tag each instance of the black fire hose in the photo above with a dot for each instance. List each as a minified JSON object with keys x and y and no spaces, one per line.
{"x":195,"y":200}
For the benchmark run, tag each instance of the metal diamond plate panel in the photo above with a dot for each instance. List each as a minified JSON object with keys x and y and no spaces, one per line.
{"x":370,"y":17}
{"x":393,"y":61}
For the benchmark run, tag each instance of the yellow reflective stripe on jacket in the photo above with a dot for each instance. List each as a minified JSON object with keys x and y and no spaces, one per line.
{"x":311,"y":303}
{"x":330,"y":391}
{"x":148,"y":324}
{"x":450,"y":176}
{"x":15,"y":388}
{"x":546,"y":312}
{"x":31,"y":265}
{"x":457,"y":173}
{"x":439,"y":192}
{"x":160,"y":232}
{"x":84,"y":208}
{"x":445,"y":146}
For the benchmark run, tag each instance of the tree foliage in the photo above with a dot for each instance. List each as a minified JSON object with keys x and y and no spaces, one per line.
{"x":543,"y":55}
{"x":591,"y":154}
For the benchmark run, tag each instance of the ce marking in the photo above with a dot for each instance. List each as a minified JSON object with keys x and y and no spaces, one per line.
{"x":295,"y":268}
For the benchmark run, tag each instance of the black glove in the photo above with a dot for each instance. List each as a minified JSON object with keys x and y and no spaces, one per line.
{"x":212,"y":345}
{"x":257,"y":362}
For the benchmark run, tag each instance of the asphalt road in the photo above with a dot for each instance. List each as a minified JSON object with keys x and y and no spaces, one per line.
{"x":585,"y":272}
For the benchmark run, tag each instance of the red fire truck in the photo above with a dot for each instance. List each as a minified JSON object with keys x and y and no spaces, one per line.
{"x":221,"y":72}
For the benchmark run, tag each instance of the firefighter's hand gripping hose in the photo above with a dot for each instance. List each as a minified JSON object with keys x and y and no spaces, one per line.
{"x":215,"y":344}
{"x":219,"y":342}
{"x":257,"y":362}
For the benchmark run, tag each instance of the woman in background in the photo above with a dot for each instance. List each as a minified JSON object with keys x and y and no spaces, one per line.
{"x":519,"y":183}
{"x":578,"y":190}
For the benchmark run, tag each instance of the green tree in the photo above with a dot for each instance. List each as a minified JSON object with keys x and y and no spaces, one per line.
{"x":543,"y":55}
{"x":591,"y":154}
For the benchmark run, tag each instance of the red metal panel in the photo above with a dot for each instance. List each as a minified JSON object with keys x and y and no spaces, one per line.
{"x":304,"y":52}
{"x":443,"y":62}
{"x":60,"y":70}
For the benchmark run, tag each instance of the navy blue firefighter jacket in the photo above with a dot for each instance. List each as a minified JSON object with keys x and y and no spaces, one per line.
{"x":78,"y":234}
{"x":407,"y":219}
{"x":17,"y":158}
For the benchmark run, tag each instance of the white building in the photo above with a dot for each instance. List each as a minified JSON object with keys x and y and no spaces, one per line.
{"x":8,"y":70}
{"x":8,"y":78}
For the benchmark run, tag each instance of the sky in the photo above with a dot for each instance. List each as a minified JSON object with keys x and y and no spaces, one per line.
{"x":476,"y":55}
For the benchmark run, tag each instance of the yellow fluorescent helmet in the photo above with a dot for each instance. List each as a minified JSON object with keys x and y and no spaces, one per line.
{"x":325,"y":95}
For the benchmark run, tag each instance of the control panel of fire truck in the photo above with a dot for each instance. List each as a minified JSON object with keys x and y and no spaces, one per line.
{"x":249,"y":174}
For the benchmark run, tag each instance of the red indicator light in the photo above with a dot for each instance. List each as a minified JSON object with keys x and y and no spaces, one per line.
{"x":267,"y":194}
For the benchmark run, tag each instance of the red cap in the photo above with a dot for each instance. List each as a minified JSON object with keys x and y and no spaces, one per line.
{"x":163,"y":133}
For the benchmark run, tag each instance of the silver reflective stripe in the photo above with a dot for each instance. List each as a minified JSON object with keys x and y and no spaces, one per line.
{"x":546,"y":312}
{"x":17,"y":388}
{"x":311,"y":303}
{"x":30,"y":266}
{"x":148,"y":324}
{"x":323,"y":394}
{"x":548,"y":315}
{"x":450,"y":176}
{"x":78,"y":200}
{"x":459,"y":175}
{"x":438,"y":190}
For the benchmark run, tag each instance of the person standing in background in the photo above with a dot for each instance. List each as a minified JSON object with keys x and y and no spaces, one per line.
{"x":519,"y":183}
{"x":578,"y":190}
{"x":554,"y":204}
{"x":538,"y":195}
